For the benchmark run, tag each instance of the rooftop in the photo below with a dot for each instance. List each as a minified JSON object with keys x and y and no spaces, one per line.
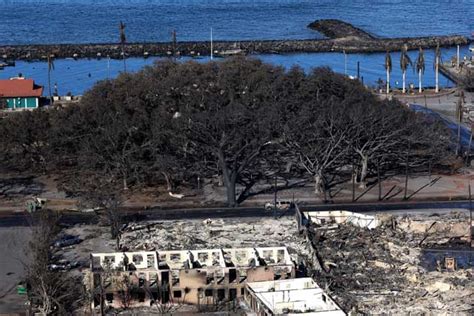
{"x":19,"y":87}
{"x":294,"y":296}
{"x":191,"y":259}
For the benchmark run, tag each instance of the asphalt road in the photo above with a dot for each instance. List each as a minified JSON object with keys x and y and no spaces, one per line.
{"x":69,"y":218}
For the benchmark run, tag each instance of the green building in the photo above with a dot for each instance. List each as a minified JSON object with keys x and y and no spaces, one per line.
{"x":20,"y":93}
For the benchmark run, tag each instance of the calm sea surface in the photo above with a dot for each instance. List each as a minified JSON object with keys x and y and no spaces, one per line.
{"x":85,"y":21}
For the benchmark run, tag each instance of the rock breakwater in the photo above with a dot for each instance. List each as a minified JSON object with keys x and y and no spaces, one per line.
{"x":343,"y":37}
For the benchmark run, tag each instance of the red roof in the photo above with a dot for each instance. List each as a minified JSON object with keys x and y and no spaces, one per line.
{"x":19,"y":88}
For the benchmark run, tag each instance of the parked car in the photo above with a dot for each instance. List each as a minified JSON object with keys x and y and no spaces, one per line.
{"x":64,"y":265}
{"x":280,"y":205}
{"x":67,"y":240}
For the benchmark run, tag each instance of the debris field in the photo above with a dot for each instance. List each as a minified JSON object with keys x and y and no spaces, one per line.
{"x":377,"y":272}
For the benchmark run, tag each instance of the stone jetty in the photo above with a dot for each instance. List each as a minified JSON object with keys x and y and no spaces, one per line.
{"x":341,"y":36}
{"x":346,"y":37}
{"x":332,"y":28}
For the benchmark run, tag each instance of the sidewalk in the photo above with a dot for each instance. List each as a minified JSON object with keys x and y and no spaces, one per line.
{"x":420,"y":188}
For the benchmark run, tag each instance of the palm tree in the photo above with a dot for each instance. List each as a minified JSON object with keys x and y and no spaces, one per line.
{"x":420,"y":67}
{"x":173,"y":40}
{"x":388,"y":69}
{"x":50,"y":68}
{"x":123,"y":39}
{"x":437,"y":62}
{"x":404,"y":62}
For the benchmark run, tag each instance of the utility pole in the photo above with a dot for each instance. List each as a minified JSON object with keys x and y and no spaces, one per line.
{"x":378,"y":179}
{"x":212,"y":48}
{"x":108,"y":67}
{"x":353,"y":182}
{"x":173,"y":39}
{"x":123,"y":39}
{"x":345,"y":62}
{"x":471,"y":226}
{"x":275,"y":198}
{"x":358,"y":70}
{"x":457,"y":57}
{"x":406,"y":173}
{"x":459,"y":117}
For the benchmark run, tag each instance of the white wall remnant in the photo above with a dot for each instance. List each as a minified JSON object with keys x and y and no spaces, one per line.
{"x":200,"y":277}
{"x":341,"y":217}
{"x":290,"y":297}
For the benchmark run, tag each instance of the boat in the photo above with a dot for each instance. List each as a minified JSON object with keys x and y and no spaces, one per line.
{"x":231,"y":52}
{"x":7,"y":63}
{"x":471,"y":49}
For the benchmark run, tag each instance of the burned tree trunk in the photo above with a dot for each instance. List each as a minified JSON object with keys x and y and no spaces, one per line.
{"x":364,"y":171}
{"x":318,"y":183}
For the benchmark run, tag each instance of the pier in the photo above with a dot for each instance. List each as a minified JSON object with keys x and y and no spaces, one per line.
{"x":341,"y":36}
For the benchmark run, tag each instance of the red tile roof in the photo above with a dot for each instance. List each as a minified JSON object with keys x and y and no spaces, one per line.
{"x":19,"y":88}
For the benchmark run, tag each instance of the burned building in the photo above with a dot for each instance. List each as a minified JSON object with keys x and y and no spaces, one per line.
{"x":290,"y":297}
{"x":200,"y":277}
{"x":335,"y":218}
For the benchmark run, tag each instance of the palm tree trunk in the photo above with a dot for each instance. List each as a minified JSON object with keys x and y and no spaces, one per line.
{"x":437,"y":75}
{"x":404,"y":74}
{"x":123,"y":57}
{"x":388,"y":81}
{"x":419,"y":81}
{"x":49,"y":86}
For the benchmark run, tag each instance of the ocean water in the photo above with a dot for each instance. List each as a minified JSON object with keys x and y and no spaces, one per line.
{"x":83,"y":21}
{"x":87,"y":21}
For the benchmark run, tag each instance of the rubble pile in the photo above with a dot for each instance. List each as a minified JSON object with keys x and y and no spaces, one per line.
{"x":215,"y":233}
{"x":436,"y":229}
{"x":378,"y":271}
{"x":381,"y":271}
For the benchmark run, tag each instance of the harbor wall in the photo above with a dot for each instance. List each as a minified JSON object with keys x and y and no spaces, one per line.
{"x":38,"y":52}
{"x":341,"y":36}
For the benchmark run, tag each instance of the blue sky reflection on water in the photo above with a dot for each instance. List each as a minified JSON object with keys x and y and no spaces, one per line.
{"x":87,"y":21}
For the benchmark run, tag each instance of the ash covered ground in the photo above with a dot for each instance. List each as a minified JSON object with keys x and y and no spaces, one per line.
{"x":376,"y":271}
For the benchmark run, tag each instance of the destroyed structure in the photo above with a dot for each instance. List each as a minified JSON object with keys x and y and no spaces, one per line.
{"x":389,"y":269}
{"x":290,"y":297}
{"x":198,"y":277}
{"x":335,"y":218}
{"x":375,"y":265}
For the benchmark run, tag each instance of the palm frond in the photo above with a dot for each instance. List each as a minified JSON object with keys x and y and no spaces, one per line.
{"x":420,"y":61}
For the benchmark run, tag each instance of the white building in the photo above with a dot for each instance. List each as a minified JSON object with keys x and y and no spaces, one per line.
{"x":290,"y":297}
